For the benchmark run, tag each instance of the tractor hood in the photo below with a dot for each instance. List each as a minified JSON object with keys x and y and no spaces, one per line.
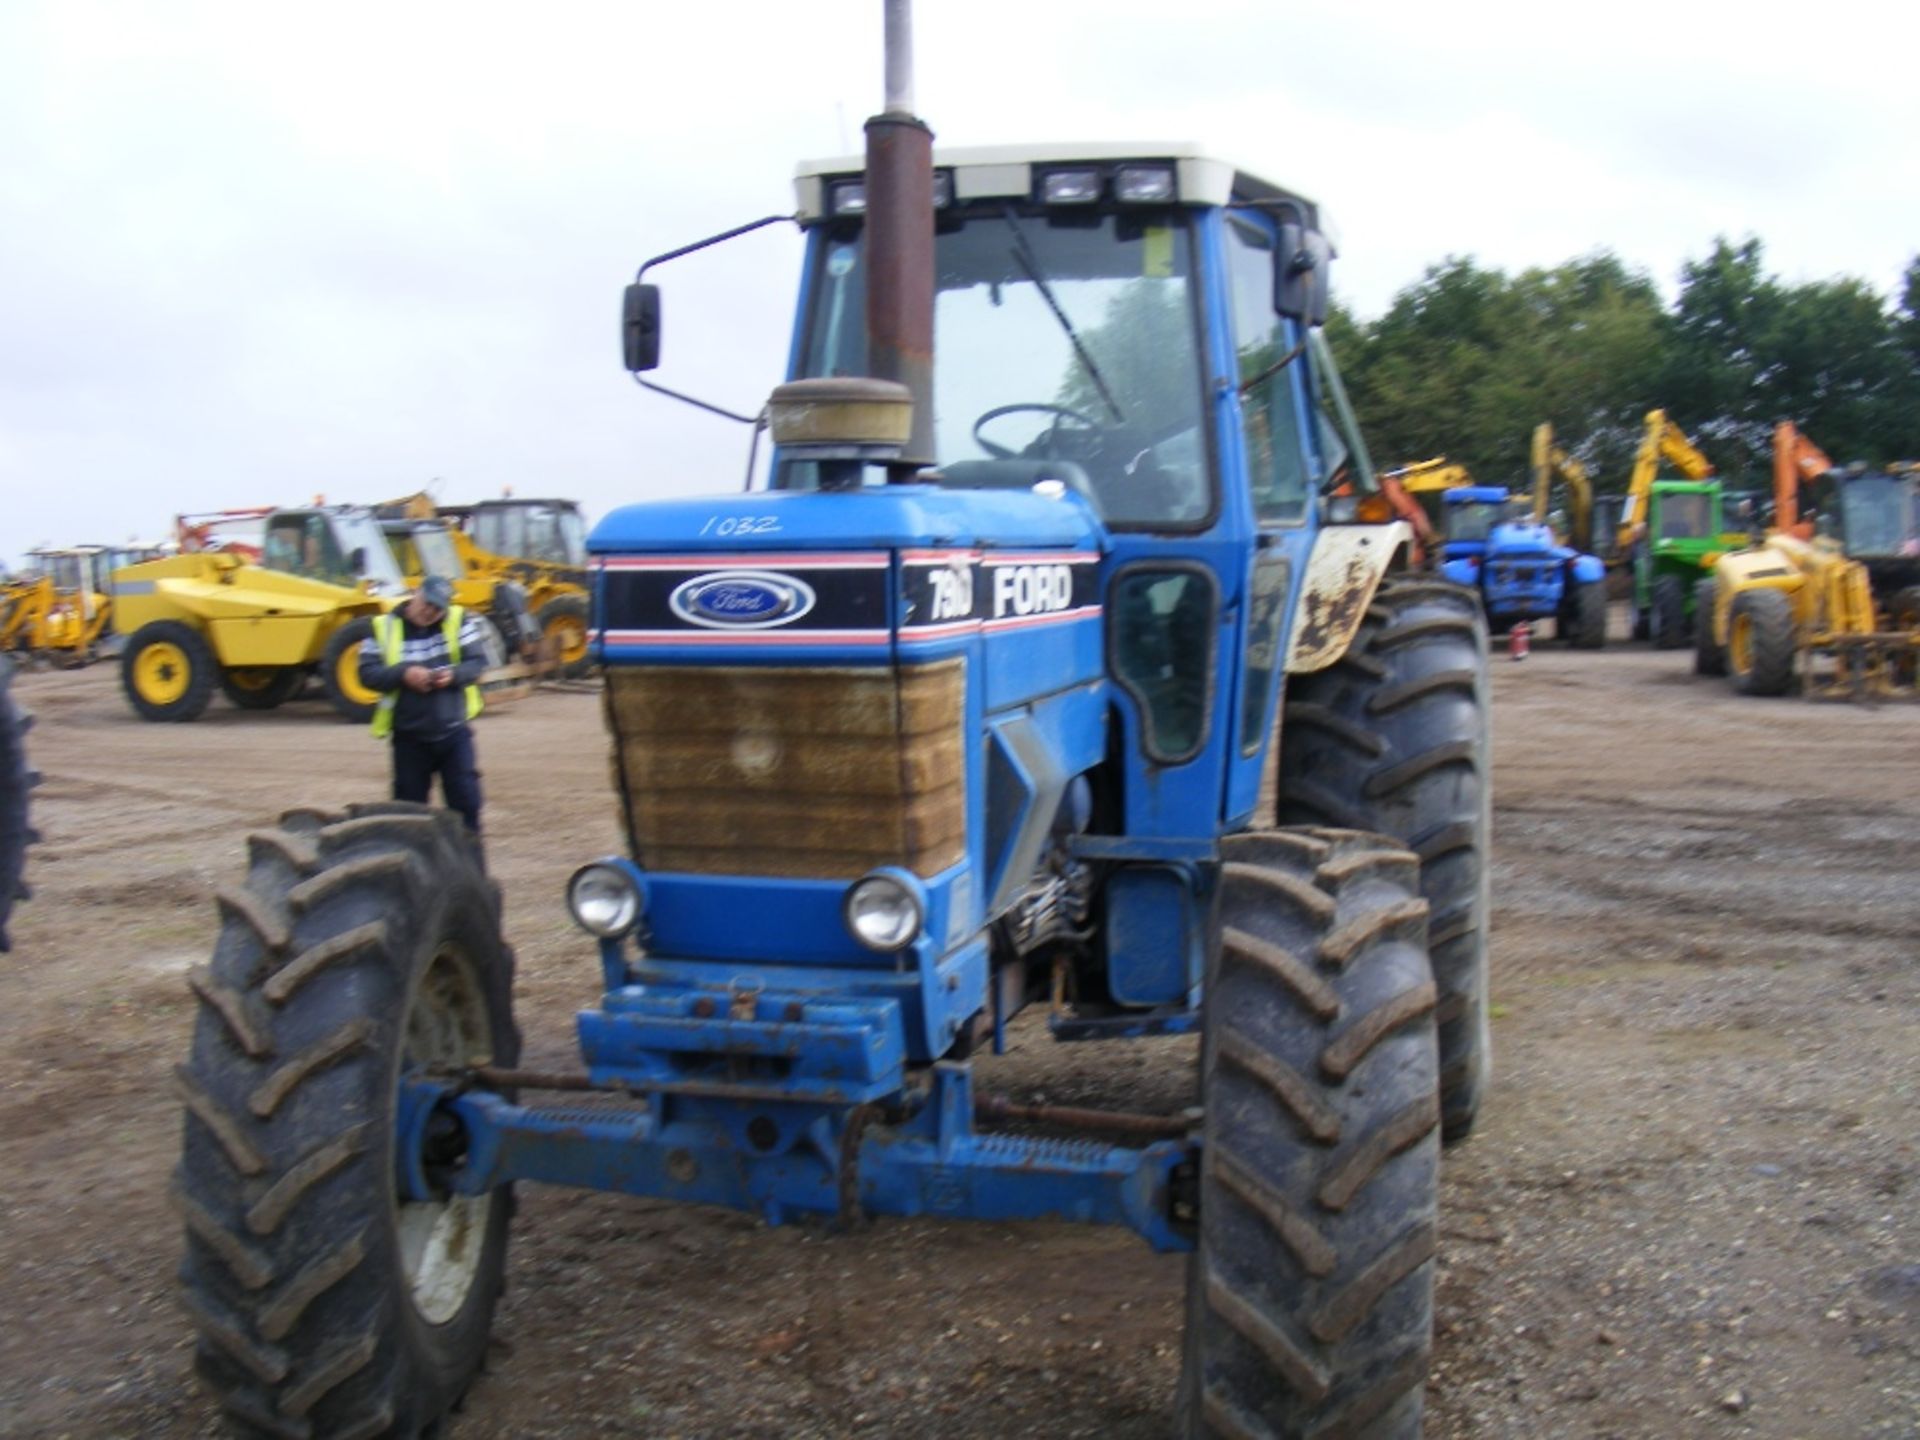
{"x":892,"y":517}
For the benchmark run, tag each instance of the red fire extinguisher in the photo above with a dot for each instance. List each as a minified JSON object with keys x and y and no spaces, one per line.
{"x":1519,"y":639}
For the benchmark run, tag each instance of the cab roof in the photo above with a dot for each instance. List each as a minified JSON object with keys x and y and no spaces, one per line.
{"x":1007,"y":172}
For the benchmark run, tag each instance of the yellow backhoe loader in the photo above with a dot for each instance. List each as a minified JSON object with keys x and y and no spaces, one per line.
{"x":539,"y":546}
{"x":60,"y":612}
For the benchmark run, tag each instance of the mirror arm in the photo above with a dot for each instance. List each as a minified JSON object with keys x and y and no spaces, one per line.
{"x":638,"y":379}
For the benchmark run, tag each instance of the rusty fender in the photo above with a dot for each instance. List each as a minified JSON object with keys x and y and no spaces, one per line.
{"x":1342,"y":574}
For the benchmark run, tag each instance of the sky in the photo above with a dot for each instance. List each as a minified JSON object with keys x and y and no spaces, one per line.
{"x":254,"y":253}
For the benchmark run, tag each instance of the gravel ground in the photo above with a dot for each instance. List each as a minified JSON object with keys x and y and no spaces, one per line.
{"x":1688,"y":1208}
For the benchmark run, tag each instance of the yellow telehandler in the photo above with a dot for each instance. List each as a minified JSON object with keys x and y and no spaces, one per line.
{"x":208,"y":618}
{"x":1831,"y":598}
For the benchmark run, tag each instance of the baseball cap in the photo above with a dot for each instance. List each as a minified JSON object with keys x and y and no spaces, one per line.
{"x":437,"y":591}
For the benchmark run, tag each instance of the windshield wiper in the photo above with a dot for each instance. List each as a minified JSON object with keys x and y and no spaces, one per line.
{"x":1024,"y":256}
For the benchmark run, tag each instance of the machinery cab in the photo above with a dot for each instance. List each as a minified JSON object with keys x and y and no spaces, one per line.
{"x":337,"y":545}
{"x":893,"y":712}
{"x":552,"y":532}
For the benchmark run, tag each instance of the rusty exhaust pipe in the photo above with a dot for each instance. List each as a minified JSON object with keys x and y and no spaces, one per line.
{"x":900,"y":243}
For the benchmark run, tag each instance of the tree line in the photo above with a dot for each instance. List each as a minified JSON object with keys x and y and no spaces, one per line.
{"x":1467,"y":360}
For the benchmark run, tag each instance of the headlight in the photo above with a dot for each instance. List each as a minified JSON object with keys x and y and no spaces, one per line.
{"x":1143,"y":185}
{"x":850,"y":197}
{"x":1070,"y":187}
{"x":604,"y":899}
{"x":884,"y":911}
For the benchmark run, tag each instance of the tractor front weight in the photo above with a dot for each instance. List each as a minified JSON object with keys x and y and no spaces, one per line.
{"x":916,"y":1153}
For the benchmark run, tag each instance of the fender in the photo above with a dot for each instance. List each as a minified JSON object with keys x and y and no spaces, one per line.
{"x":1342,"y":573}
{"x":1588,"y":568}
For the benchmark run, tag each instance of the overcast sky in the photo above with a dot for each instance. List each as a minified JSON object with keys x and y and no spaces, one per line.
{"x":250,"y":253}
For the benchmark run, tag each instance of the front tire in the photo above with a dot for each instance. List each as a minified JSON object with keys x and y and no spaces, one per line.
{"x":168,"y":672}
{"x":1393,"y":738}
{"x":360,"y":944}
{"x":1589,"y":615}
{"x":16,"y":779}
{"x":1667,"y":614}
{"x":340,"y":671}
{"x":1310,"y":1293}
{"x":1761,"y":642}
{"x":1709,"y":655}
{"x":564,"y":634}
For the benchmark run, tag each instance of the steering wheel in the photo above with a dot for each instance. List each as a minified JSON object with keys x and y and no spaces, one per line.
{"x":1059,"y":412}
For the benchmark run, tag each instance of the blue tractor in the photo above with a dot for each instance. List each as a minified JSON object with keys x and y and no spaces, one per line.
{"x":1050,"y":674}
{"x":1494,"y":544}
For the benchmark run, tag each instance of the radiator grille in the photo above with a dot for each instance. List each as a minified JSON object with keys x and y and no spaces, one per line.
{"x":798,"y":773}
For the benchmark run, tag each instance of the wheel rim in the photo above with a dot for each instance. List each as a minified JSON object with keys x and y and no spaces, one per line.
{"x":1740,"y":644}
{"x":346,"y":676}
{"x":161,"y":672}
{"x":569,"y":639}
{"x":441,"y":1241}
{"x":252,"y":680}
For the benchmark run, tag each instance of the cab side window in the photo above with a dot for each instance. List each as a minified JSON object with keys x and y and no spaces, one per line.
{"x":1269,"y":411}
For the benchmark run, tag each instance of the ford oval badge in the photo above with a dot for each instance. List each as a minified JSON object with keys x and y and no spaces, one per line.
{"x":741,"y":600}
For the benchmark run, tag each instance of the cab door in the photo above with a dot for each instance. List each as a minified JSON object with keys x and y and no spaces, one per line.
{"x":1278,"y":487}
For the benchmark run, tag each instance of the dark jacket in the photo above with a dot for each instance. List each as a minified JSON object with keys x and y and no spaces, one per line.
{"x":428,"y":714}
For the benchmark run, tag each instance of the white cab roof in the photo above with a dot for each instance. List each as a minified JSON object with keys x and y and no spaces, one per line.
{"x":1006,"y":171}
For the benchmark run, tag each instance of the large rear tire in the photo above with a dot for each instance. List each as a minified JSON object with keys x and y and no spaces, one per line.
{"x":360,"y":945}
{"x":1667,"y":614}
{"x":261,"y":687}
{"x":1709,"y":655}
{"x":16,"y":780}
{"x":168,"y":671}
{"x":1394,"y":738}
{"x":1310,"y":1294}
{"x":564,"y":634}
{"x":1761,"y":642}
{"x":340,"y":672}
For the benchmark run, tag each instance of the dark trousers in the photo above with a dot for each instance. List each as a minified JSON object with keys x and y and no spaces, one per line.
{"x":416,"y":760}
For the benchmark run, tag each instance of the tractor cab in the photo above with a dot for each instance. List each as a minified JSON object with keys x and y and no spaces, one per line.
{"x":1472,"y":513}
{"x":337,"y":545}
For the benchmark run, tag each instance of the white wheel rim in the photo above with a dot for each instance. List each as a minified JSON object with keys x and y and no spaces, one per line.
{"x":441,"y":1240}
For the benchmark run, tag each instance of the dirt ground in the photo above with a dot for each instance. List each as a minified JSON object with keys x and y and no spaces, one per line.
{"x":1689,"y":1208}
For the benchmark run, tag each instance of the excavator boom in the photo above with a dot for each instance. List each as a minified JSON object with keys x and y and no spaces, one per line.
{"x":1551,"y":463}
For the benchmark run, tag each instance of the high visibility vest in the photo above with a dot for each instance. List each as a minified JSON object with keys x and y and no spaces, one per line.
{"x":389,"y":633}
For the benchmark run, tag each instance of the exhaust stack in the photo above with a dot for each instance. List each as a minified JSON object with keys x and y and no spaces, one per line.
{"x":899,"y":242}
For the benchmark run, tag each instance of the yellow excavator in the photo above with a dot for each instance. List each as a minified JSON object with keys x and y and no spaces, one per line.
{"x":1550,"y":463}
{"x":1832,"y":597}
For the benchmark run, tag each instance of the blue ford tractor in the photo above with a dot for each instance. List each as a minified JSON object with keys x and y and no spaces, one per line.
{"x":1047,"y":672}
{"x":1494,"y":544}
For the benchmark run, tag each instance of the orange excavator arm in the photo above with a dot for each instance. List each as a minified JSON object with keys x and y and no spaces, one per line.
{"x":1797,"y":463}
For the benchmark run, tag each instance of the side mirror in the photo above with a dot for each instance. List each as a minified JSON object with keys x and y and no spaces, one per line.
{"x":357,"y":561}
{"x":1300,"y":282}
{"x":640,"y":327}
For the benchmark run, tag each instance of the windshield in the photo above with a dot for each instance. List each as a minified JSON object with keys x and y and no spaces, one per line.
{"x":1474,"y":519}
{"x":65,"y":570}
{"x":436,"y":553}
{"x":327,"y":547}
{"x":1066,"y":346}
{"x":1687,"y":516}
{"x":1880,"y":515}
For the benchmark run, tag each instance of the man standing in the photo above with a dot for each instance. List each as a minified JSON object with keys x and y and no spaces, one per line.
{"x":425,"y":658}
